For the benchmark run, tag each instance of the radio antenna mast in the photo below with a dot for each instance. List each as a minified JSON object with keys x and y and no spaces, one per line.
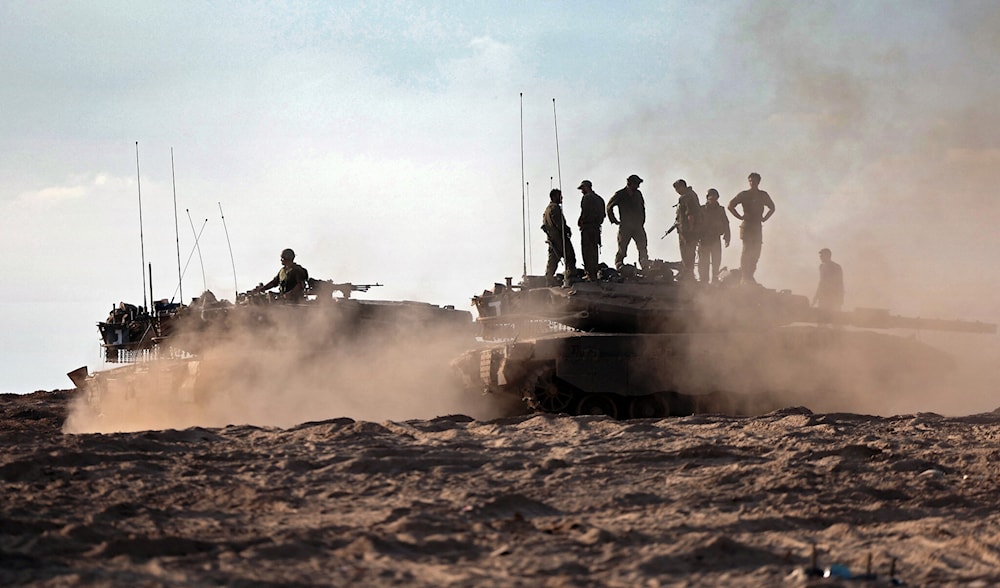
{"x":197,"y":237}
{"x":527,"y":192}
{"x":562,"y":212}
{"x":142,"y":244}
{"x":236,"y":287}
{"x":524,"y":218}
{"x":177,"y":235}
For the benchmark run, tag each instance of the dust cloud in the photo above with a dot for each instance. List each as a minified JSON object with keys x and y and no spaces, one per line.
{"x":838,"y":367}
{"x":283,"y":365}
{"x":830,"y":370}
{"x":897,"y":188}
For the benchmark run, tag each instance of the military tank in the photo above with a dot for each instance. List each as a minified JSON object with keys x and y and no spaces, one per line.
{"x":194,"y":349}
{"x":643,"y":344}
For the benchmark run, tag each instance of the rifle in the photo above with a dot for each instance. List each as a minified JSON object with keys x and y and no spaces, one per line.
{"x":670,"y":230}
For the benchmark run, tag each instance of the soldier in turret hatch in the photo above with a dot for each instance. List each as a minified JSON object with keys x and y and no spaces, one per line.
{"x":558,"y":235}
{"x":632,"y":209}
{"x":291,"y":279}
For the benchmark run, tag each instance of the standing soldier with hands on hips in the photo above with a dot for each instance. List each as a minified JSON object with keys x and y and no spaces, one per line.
{"x":753,"y":201}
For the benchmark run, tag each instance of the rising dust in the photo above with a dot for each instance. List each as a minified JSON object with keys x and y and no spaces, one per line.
{"x":287,"y":368}
{"x":295,"y":368}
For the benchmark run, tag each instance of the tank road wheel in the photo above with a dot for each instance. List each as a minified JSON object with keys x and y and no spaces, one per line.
{"x":542,"y":392}
{"x":651,"y":406}
{"x":597,"y":404}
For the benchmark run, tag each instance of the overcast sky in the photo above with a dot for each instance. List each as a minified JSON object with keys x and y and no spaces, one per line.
{"x":381,"y":141}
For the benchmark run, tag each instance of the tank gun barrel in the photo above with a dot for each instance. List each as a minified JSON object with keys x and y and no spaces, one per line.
{"x":879,"y":318}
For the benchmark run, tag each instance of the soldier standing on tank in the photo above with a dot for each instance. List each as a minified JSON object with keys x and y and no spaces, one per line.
{"x":632,"y":209}
{"x":715,"y":224}
{"x":591,"y":218}
{"x":291,"y":279}
{"x":754,"y":201}
{"x":558,"y":234}
{"x":688,"y":224}
{"x":829,"y":295}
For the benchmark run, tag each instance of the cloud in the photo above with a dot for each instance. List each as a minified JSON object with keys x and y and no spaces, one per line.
{"x":78,"y":188}
{"x":58,"y":193}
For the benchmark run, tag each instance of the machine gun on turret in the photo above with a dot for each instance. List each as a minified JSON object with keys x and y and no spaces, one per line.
{"x":326,"y":288}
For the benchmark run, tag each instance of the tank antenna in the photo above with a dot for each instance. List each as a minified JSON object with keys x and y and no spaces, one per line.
{"x":527,"y":194}
{"x":197,"y":237}
{"x":190,"y":255}
{"x":142,"y":243}
{"x":555,"y":122}
{"x":232,"y":260}
{"x":524,"y":218}
{"x":177,"y":234}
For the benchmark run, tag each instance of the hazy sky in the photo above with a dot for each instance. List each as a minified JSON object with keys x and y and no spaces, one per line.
{"x":381,"y":141}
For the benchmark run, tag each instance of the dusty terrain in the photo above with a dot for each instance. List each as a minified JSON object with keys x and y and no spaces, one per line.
{"x":525,"y":501}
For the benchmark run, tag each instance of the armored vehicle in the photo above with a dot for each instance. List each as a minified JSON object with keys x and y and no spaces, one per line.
{"x":643,"y":344}
{"x":173,"y":330}
{"x":193,"y":349}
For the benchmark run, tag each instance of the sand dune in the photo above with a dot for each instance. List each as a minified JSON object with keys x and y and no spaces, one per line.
{"x":529,"y":501}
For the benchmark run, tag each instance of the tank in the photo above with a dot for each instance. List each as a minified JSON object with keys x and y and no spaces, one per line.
{"x":642,"y":345}
{"x":193,"y":349}
{"x":173,"y":330}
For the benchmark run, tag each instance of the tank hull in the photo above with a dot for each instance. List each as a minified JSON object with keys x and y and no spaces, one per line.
{"x":655,"y":375}
{"x":638,"y":344}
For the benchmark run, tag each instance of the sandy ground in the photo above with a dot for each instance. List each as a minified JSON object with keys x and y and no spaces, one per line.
{"x":526,"y":501}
